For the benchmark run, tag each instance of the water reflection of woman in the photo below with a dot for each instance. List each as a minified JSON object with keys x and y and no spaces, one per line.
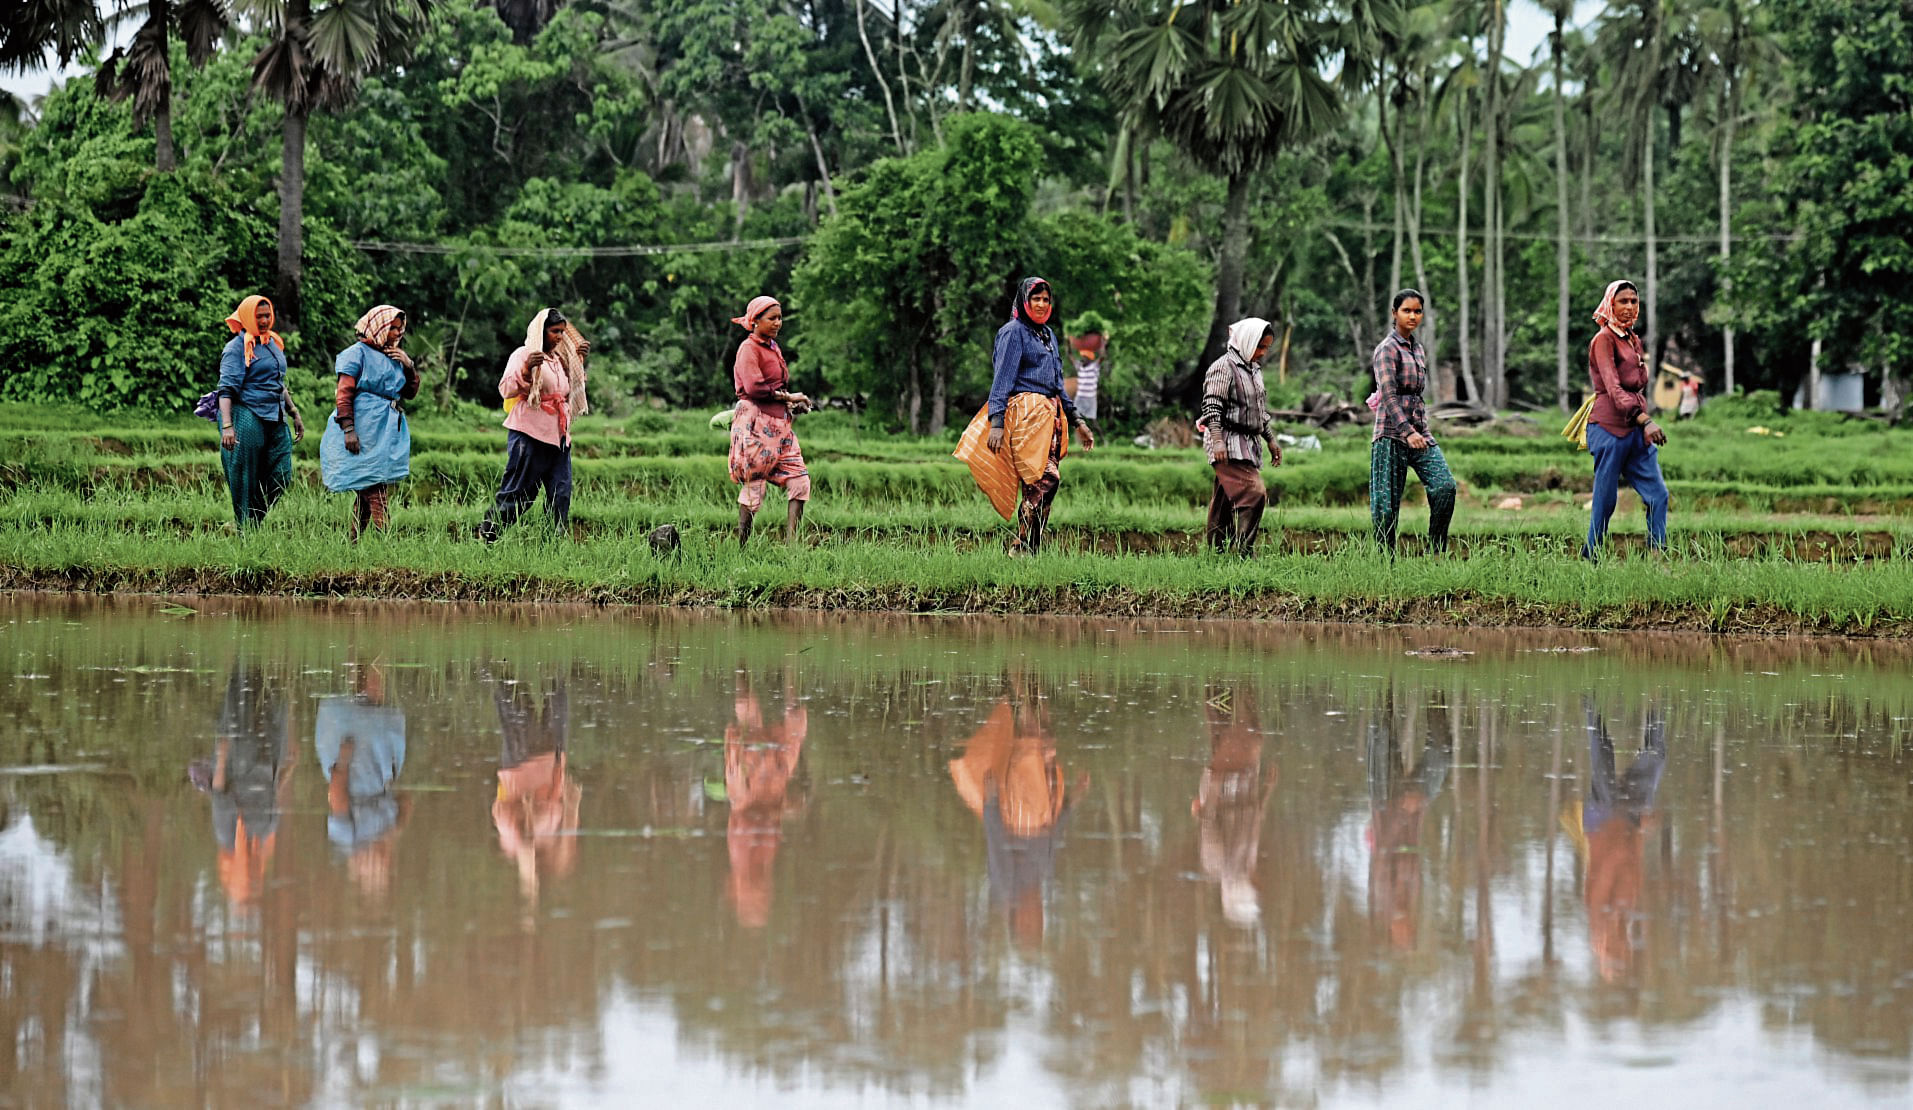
{"x":1230,"y":802}
{"x":1009,"y":777}
{"x":361,"y":746}
{"x":1614,"y":822}
{"x":1403,"y":782}
{"x":759,"y":760}
{"x":536,"y":809}
{"x":249,"y":780}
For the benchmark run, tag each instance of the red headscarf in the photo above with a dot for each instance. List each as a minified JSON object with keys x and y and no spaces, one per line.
{"x":758,"y":306}
{"x":1604,"y":315}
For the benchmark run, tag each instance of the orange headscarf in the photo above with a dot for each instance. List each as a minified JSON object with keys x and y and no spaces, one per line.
{"x":245,"y":321}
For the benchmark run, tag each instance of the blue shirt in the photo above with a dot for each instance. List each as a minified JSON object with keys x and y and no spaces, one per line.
{"x":1026,"y":361}
{"x":258,"y":387}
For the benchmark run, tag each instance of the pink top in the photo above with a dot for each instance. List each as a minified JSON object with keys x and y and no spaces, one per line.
{"x":537,"y":421}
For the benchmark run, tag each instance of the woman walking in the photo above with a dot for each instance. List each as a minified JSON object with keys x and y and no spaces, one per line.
{"x":1623,"y":439}
{"x":1235,"y":425}
{"x":1015,"y":446}
{"x":542,"y":379}
{"x":764,"y":445}
{"x":254,"y":446}
{"x":1402,"y":441}
{"x":367,"y":445}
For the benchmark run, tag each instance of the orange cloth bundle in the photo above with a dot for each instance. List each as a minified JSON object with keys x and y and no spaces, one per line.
{"x":1031,"y":423}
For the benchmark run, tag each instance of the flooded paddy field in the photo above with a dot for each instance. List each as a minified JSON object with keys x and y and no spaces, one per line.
{"x":282,"y":854}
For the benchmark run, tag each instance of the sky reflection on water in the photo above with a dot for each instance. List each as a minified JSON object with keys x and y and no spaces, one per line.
{"x":429,"y":855}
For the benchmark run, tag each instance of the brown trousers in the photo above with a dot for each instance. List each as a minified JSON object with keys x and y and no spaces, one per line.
{"x":1236,"y":502}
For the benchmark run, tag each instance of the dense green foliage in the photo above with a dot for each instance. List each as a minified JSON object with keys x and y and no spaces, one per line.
{"x":891,"y":172}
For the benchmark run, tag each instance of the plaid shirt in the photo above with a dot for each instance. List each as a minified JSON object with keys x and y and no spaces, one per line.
{"x":1401,"y":373}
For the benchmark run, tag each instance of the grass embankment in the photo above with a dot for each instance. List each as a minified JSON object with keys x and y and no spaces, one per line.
{"x":108,"y":505}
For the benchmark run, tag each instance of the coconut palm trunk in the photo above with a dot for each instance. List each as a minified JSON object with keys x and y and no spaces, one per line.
{"x":1561,"y":249}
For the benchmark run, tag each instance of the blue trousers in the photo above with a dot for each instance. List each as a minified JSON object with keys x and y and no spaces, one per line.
{"x":1632,"y":458}
{"x":530,"y":465}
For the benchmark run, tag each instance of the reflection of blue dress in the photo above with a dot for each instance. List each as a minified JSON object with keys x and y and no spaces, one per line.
{"x":377,"y":733}
{"x":385,"y":441}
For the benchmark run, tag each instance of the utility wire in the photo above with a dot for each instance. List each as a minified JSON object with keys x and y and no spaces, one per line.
{"x":616,"y":250}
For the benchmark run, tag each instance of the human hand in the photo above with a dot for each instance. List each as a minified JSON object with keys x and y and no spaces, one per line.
{"x":995,"y":442}
{"x":1417,"y":441}
{"x":352,"y":441}
{"x":298,"y":427}
{"x":584,"y":347}
{"x":1085,"y":437}
{"x":1655,"y":435}
{"x":798,"y":399}
{"x":1275,"y":453}
{"x":226,"y":437}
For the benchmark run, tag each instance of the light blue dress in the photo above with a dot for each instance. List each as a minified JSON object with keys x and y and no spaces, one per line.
{"x":377,"y":733}
{"x":385,"y":440}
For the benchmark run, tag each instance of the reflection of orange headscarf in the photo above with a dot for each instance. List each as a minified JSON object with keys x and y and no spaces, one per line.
{"x":242,"y":868}
{"x":245,"y":321}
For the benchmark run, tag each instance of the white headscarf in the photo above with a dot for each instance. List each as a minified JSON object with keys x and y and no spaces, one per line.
{"x":567,"y":356}
{"x":1245,"y":336}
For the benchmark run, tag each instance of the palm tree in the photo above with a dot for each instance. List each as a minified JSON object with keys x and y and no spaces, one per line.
{"x":1557,"y":46}
{"x":315,"y":58}
{"x":1632,"y":43}
{"x":143,"y":69}
{"x":29,"y":29}
{"x":1231,"y":83}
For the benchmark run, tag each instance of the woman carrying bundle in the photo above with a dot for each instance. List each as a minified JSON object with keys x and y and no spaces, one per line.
{"x":367,"y":445}
{"x":543,"y":387}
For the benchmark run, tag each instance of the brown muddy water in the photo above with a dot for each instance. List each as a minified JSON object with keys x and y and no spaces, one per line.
{"x":264,"y":855}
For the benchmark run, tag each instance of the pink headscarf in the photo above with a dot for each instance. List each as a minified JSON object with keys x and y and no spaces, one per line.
{"x":1604,"y":315}
{"x":758,"y":306}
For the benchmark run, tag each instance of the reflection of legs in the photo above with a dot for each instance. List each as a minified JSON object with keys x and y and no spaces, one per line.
{"x":1643,"y":777}
{"x":1387,"y":469}
{"x":1601,"y":785}
{"x":1440,"y":484}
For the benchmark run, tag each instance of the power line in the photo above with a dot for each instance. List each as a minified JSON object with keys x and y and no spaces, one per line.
{"x":616,"y":250}
{"x":1541,"y":237}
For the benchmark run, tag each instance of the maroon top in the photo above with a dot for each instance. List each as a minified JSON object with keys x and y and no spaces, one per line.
{"x":1617,"y":369}
{"x":759,"y":372}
